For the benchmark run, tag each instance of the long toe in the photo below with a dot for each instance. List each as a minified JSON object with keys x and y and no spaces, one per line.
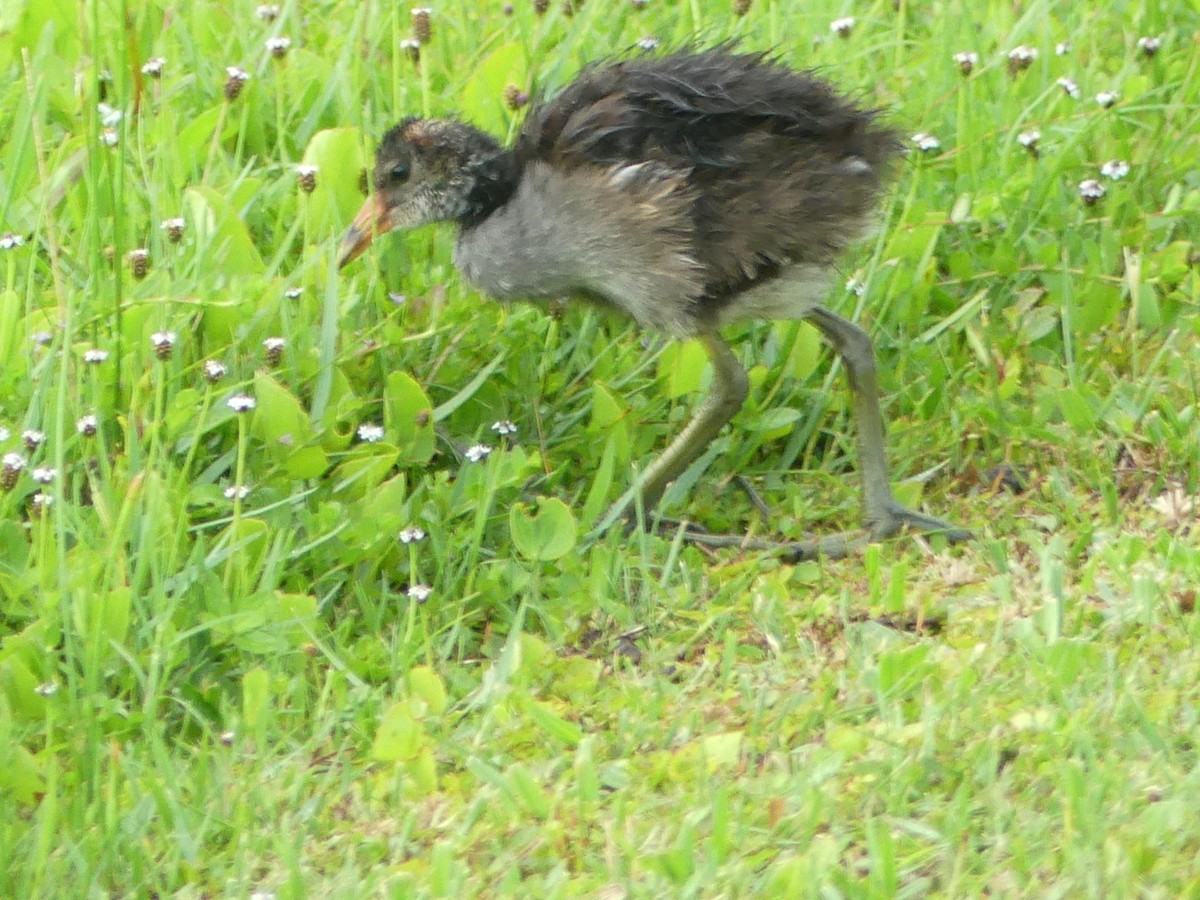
{"x":898,"y":517}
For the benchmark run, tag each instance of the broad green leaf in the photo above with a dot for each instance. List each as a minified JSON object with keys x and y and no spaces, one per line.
{"x":278,"y":414}
{"x":220,"y":233}
{"x":548,"y":535}
{"x":408,"y":418}
{"x":338,"y":155}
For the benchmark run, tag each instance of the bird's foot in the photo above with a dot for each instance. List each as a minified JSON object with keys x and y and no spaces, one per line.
{"x":894,"y":517}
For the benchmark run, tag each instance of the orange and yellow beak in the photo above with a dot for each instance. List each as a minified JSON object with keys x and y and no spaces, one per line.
{"x":372,"y":220}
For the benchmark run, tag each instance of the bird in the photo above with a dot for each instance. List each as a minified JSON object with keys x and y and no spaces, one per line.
{"x":687,"y":191}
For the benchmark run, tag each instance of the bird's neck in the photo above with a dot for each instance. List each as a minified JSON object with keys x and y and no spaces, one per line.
{"x":492,"y":180}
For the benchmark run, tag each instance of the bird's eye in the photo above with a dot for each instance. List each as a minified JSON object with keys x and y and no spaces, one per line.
{"x":399,"y":173}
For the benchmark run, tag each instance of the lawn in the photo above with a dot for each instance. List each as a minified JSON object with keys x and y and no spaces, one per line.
{"x":298,"y":590}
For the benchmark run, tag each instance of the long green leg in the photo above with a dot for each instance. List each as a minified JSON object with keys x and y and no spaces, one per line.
{"x":726,"y":396}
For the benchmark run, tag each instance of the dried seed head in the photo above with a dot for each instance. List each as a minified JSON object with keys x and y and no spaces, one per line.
{"x":422,"y":23}
{"x":154,"y":67}
{"x":364,"y":184}
{"x":87,"y":425}
{"x":235,"y":80}
{"x":278,"y":47}
{"x":11,"y":241}
{"x":274,"y":350}
{"x":10,"y":470}
{"x":508,"y":9}
{"x":514,"y":97}
{"x":174,"y":228}
{"x":139,"y":262}
{"x":412,"y":47}
{"x":1021,"y":58}
{"x":32,"y":439}
{"x":741,"y":7}
{"x":267,"y":12}
{"x":966,"y":61}
{"x":306,"y":177}
{"x":1149,"y":45}
{"x":1091,"y":191}
{"x":163,"y":343}
{"x":638,"y":4}
{"x":540,"y":6}
{"x":843,"y":26}
{"x":214,"y":371}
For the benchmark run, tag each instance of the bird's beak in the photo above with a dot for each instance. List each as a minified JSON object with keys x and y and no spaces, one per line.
{"x":371,"y":220}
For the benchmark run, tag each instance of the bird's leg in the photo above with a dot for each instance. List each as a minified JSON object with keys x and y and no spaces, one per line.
{"x":725,"y":397}
{"x":883,"y":515}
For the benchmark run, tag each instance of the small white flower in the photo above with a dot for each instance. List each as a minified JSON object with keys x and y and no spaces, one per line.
{"x":109,"y":137}
{"x":95,"y":356}
{"x":154,"y":67}
{"x":856,"y":287}
{"x":411,"y":535}
{"x":33,"y":438}
{"x":370,"y":432}
{"x":227,"y":737}
{"x":14,"y":462}
{"x":1029,"y":138}
{"x":41,"y":338}
{"x":307,"y":171}
{"x":419,"y":592}
{"x":10,"y":241}
{"x":1149,"y":45}
{"x":237,"y":73}
{"x":214,"y":370}
{"x":41,"y":501}
{"x":1091,"y":190}
{"x":241,"y":403}
{"x":293,"y":293}
{"x":163,"y":339}
{"x":278,"y":46}
{"x":1062,"y":48}
{"x":178,"y":223}
{"x":477,"y":452}
{"x":1106,"y":98}
{"x":1022,"y":57}
{"x":966,"y":61}
{"x":1070,"y":87}
{"x":5,"y":434}
{"x":87,"y":425}
{"x":504,"y":427}
{"x":237,"y":492}
{"x":274,"y":344}
{"x":925,"y":142}
{"x":267,"y":12}
{"x":45,"y":474}
{"x":843,"y":26}
{"x":48,"y":688}
{"x":110,"y":117}
{"x":648,"y":43}
{"x":1116,"y":169}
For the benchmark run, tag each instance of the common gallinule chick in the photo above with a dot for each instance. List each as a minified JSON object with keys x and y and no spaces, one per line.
{"x":688,"y":191}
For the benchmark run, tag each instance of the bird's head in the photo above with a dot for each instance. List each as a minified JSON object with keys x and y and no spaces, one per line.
{"x":429,"y":170}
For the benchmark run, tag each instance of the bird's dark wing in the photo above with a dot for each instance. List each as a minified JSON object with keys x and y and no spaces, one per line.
{"x":783,"y":169}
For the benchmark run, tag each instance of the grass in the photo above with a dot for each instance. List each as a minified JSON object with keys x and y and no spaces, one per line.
{"x":209,"y":691}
